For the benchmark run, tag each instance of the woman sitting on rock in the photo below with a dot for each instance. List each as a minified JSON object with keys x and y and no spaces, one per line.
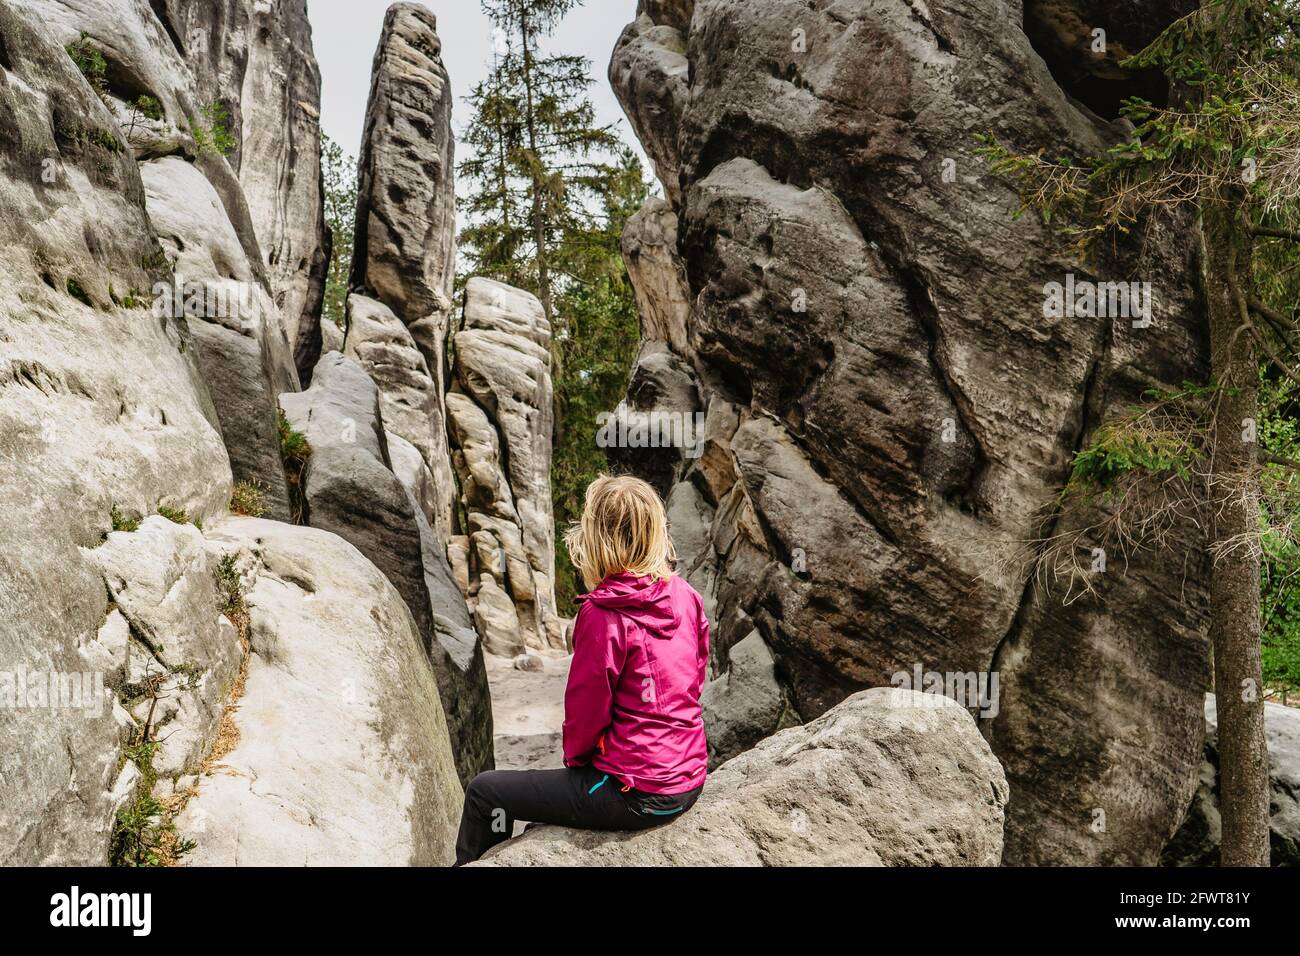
{"x":634,"y":748}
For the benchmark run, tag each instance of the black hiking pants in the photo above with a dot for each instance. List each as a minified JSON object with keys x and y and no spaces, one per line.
{"x":579,"y":797}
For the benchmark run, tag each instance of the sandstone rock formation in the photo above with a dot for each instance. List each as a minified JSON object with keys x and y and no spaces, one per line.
{"x":254,"y":58}
{"x":887,"y":778}
{"x":501,"y":417}
{"x":745,"y":703}
{"x":196,"y":202}
{"x":351,"y":489}
{"x":658,"y":275}
{"x":241,"y":346}
{"x":343,"y":755}
{"x":119,"y":424}
{"x":280,"y":168}
{"x":405,"y":235}
{"x":1197,"y":841}
{"x":888,"y":416}
{"x":101,"y":407}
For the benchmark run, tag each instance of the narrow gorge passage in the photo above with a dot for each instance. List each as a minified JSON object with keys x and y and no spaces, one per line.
{"x":528,"y":709}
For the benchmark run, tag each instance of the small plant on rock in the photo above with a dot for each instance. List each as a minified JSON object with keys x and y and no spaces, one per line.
{"x":143,"y":833}
{"x":247,"y":500}
{"x":173,"y":515}
{"x":122,"y":523}
{"x":91,"y":63}
{"x":213,"y":136}
{"x":295,"y":452}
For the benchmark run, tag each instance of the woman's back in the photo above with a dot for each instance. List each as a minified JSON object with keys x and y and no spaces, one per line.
{"x":641,"y":651}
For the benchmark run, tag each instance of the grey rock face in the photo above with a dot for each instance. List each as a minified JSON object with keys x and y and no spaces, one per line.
{"x":280,"y":168}
{"x":887,"y":778}
{"x":896,"y":416}
{"x":198,"y":207}
{"x":343,"y":756}
{"x":255,"y":59}
{"x":408,"y":391}
{"x":744,"y":704}
{"x":405,"y":243}
{"x":183,"y":654}
{"x":1197,"y":841}
{"x":241,"y":346}
{"x":501,"y":421}
{"x":111,"y":412}
{"x":650,"y":74}
{"x":658,"y":276}
{"x":101,"y":405}
{"x":352,"y":491}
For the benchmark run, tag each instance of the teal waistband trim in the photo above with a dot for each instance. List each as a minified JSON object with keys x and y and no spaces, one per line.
{"x":599,"y":785}
{"x":666,"y":813}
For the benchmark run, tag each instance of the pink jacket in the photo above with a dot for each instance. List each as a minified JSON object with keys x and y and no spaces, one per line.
{"x":632,"y":706}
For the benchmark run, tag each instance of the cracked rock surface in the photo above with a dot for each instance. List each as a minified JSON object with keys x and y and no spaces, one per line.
{"x":889,"y":416}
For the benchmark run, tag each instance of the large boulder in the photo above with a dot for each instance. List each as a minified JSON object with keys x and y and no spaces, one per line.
{"x":101,"y":408}
{"x":1197,"y":841}
{"x":404,"y":255}
{"x":342,"y":756}
{"x":350,"y":489}
{"x":867,"y":337}
{"x":745,"y":703}
{"x":888,"y":778}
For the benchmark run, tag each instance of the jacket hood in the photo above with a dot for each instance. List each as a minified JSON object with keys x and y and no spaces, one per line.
{"x":645,"y":601}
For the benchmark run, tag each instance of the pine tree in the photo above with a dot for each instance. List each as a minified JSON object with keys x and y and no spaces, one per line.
{"x":545,"y":193}
{"x":539,"y":167}
{"x":339,"y":175}
{"x":599,"y":347}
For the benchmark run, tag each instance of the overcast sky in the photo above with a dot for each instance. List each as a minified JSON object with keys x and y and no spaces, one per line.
{"x":346,"y":32}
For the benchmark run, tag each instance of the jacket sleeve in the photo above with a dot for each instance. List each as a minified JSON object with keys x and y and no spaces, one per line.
{"x":599,"y":651}
{"x":704,"y":646}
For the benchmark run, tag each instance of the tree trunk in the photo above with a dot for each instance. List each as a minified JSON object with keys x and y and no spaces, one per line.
{"x":1234,"y":587}
{"x":539,"y":227}
{"x":539,"y":212}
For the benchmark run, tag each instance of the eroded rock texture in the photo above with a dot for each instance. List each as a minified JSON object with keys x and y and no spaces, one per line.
{"x":254,"y":58}
{"x":889,"y":417}
{"x":398,"y":322}
{"x":501,"y":418}
{"x":343,"y":755}
{"x":405,"y":236}
{"x":887,"y":778}
{"x":1197,"y":841}
{"x":119,"y":427}
{"x":198,"y":206}
{"x":101,"y":405}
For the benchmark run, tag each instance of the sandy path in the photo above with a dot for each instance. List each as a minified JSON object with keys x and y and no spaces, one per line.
{"x":528,"y":712}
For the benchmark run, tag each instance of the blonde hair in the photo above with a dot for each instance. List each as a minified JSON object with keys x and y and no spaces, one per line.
{"x":624,"y":528}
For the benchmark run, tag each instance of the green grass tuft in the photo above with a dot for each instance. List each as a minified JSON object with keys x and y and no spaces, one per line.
{"x":247,"y":500}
